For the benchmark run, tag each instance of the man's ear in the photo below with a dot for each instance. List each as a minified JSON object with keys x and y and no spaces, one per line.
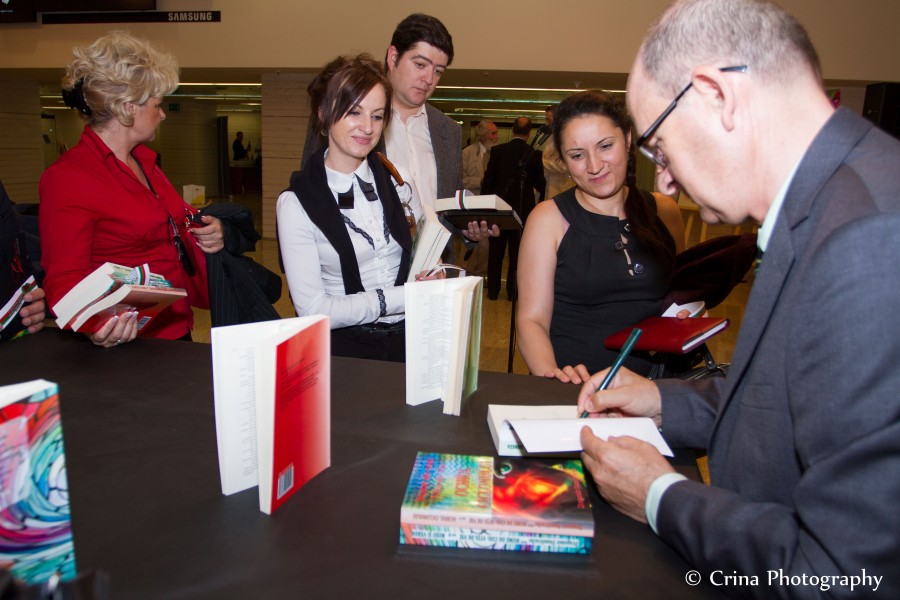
{"x":392,"y":56}
{"x":719,"y":91}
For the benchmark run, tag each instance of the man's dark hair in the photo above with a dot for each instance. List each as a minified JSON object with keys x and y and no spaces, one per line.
{"x":521,"y":126}
{"x":421,"y":28}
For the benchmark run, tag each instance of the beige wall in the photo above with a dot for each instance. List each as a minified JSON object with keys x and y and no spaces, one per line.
{"x":21,"y":143}
{"x":857,"y":40}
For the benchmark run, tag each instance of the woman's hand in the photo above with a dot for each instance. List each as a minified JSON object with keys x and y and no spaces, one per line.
{"x":118,"y":330}
{"x":569,"y":374}
{"x":429,"y":274}
{"x":210,"y":238}
{"x":33,"y":313}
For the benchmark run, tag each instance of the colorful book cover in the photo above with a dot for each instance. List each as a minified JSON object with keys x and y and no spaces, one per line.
{"x":508,"y":499}
{"x":35,"y":528}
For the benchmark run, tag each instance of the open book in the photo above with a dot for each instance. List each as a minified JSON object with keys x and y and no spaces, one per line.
{"x":443,"y":340}
{"x":272,"y":388}
{"x":114,"y":290}
{"x":429,"y":242}
{"x":538,"y":430}
{"x":463,"y":208}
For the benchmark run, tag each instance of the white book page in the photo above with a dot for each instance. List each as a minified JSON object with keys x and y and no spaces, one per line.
{"x":429,"y":322}
{"x":460,"y":334}
{"x":564,"y":435}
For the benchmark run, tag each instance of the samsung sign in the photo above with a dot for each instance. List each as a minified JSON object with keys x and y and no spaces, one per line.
{"x":194,"y":16}
{"x":149,"y":16}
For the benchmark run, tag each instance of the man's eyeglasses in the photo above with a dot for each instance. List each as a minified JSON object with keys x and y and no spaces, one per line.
{"x":655,"y":154}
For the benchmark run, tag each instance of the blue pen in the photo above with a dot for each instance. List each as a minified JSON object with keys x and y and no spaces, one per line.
{"x":623,"y":354}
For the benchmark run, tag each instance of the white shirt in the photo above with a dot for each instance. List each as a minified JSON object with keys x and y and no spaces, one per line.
{"x":409,"y":147}
{"x":768,"y":224}
{"x":313,"y":267}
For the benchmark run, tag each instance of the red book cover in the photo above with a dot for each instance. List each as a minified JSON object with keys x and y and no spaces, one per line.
{"x":670,"y":334}
{"x":301,"y":441}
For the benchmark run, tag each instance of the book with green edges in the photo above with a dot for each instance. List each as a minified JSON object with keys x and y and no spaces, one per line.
{"x":497,"y":503}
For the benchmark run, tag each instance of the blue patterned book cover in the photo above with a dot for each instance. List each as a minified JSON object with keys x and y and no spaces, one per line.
{"x":35,"y":528}
{"x":501,"y":503}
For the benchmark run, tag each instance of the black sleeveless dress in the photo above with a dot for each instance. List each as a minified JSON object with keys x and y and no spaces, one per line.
{"x":596,"y":292}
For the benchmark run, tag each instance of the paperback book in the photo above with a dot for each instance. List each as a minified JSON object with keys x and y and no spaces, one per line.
{"x":525,"y":505}
{"x":35,"y":526}
{"x":443,"y":340}
{"x":10,"y":322}
{"x":272,"y":393}
{"x":429,"y":240}
{"x":114,"y":290}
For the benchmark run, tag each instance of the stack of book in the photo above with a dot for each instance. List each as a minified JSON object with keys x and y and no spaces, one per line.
{"x":526,"y":505}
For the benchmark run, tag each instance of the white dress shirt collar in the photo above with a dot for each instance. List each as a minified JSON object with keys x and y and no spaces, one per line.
{"x":341,"y":182}
{"x":768,"y":224}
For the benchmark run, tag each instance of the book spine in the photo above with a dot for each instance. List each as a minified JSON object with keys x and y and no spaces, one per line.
{"x":491,"y":539}
{"x":458,"y":520}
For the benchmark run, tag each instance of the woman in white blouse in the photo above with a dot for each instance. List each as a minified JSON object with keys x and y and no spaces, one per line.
{"x":342,"y":228}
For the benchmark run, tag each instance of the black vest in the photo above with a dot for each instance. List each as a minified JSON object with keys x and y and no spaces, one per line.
{"x":311,"y":187}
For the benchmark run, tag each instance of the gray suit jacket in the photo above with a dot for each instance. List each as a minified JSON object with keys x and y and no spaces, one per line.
{"x":446,"y":139}
{"x":804,"y":434}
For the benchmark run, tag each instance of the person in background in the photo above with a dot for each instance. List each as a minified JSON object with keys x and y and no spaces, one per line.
{"x":475,"y":158}
{"x":14,"y":270}
{"x":555,"y":171}
{"x":107,"y":200}
{"x":515,"y":174}
{"x":803,"y":435}
{"x":599,"y":256}
{"x":342,"y":229}
{"x":475,"y":155}
{"x":237,"y":147}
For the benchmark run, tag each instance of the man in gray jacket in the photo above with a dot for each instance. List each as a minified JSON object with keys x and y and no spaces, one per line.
{"x":803,"y":436}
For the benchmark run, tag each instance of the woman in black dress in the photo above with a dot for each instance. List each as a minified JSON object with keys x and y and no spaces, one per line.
{"x":598,"y":257}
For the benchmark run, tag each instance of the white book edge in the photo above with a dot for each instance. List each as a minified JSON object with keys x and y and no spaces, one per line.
{"x":69,"y":305}
{"x":693,"y":343}
{"x":472,"y":202}
{"x":19,"y":391}
{"x":505,"y":439}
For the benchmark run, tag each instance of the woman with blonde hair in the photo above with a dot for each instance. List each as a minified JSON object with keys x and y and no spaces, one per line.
{"x":107,"y":199}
